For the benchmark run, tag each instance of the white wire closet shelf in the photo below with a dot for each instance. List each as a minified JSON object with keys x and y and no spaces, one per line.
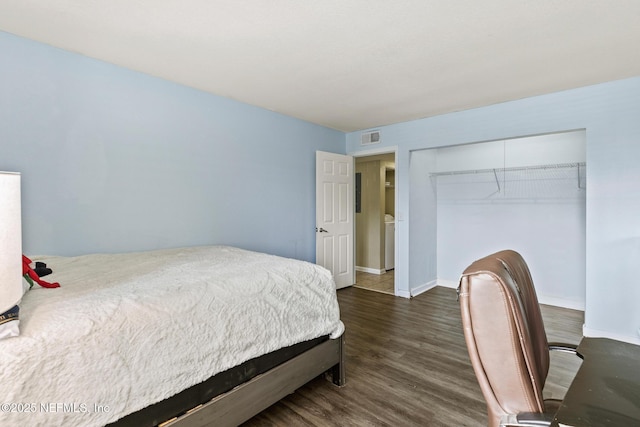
{"x":540,"y":182}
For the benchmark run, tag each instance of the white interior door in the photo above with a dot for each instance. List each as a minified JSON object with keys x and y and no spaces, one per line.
{"x":334,"y":216}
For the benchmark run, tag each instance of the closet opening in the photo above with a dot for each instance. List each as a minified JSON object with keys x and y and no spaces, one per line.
{"x":527,"y":194}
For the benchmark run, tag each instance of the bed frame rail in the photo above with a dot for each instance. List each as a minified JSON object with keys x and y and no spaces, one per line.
{"x":248,"y":399}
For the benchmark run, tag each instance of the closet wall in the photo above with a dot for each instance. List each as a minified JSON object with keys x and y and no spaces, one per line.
{"x":526,"y":194}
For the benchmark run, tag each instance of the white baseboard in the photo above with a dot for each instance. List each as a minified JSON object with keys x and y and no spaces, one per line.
{"x":565,"y":303}
{"x":561,"y":302}
{"x":402,"y":293}
{"x":370,"y":270}
{"x":542,"y":299}
{"x":447,"y":283}
{"x":423,"y":288}
{"x":595,"y":333}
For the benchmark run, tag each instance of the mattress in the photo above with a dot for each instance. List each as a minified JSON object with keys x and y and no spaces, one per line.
{"x":215,"y":386}
{"x":128,"y":330}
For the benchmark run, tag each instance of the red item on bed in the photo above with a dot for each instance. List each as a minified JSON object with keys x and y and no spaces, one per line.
{"x":28,"y":271}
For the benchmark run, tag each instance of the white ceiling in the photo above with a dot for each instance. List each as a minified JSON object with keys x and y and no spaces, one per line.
{"x":350,"y":64}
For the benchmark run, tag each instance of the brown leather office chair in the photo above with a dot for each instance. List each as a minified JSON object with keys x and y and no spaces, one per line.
{"x":506,"y":339}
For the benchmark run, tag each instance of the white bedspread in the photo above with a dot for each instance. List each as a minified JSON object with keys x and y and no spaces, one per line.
{"x":127,"y":330}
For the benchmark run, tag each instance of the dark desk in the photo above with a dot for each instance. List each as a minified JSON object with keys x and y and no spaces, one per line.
{"x":606,"y":389}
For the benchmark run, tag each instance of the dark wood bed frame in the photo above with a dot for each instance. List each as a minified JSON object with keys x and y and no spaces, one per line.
{"x":250,"y":398}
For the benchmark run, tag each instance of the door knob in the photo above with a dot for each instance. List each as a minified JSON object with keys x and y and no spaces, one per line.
{"x":322,"y":230}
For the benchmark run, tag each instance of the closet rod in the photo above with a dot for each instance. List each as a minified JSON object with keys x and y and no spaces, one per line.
{"x":518,"y":168}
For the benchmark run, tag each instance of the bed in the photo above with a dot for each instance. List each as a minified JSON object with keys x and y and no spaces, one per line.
{"x":184,"y":337}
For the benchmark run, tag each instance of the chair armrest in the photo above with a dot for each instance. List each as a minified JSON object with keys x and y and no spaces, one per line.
{"x":565,"y":348}
{"x":526,"y":419}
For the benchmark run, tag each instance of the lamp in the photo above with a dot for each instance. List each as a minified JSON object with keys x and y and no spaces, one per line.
{"x":10,"y":243}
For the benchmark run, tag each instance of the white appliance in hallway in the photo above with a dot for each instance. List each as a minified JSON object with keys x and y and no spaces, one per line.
{"x":389,"y":241}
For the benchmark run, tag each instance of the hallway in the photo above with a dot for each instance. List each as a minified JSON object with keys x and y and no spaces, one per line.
{"x":376,"y":282}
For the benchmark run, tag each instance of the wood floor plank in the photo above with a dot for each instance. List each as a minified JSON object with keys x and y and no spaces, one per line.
{"x":407,"y":365}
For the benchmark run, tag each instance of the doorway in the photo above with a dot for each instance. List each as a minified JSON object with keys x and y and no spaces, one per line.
{"x":375,"y":222}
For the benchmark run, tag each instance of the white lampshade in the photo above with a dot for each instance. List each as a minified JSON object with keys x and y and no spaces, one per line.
{"x":10,"y":241}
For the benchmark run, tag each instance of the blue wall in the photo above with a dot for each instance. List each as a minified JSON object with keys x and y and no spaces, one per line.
{"x":115,"y":160}
{"x":610,"y":113}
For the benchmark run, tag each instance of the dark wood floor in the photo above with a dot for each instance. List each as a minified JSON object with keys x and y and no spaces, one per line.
{"x":407,"y":365}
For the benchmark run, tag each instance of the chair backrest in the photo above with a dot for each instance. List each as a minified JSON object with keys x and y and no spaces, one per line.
{"x":505,"y":334}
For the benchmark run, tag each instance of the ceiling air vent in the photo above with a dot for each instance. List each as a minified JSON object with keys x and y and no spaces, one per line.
{"x":372,"y":137}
